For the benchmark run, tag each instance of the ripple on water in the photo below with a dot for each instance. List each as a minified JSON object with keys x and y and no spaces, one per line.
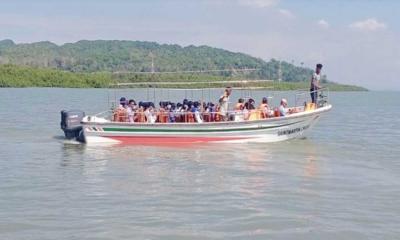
{"x":339,"y":183}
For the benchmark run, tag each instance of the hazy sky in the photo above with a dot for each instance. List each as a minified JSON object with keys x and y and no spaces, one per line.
{"x":358,"y":41}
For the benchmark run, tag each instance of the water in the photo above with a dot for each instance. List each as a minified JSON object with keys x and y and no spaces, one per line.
{"x":342,"y":182}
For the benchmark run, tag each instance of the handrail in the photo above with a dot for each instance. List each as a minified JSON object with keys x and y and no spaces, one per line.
{"x":193,"y":71}
{"x":304,"y":94}
{"x":301,"y":103}
{"x":190,"y":82}
{"x":204,"y":115}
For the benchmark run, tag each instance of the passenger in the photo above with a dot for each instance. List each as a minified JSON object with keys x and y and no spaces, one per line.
{"x":189,"y":115}
{"x":264,"y":108}
{"x":208,"y":114}
{"x":185,"y":102}
{"x":283,"y":110}
{"x":239,"y":111}
{"x":178,"y":107}
{"x":120,"y":114}
{"x":140,"y":116}
{"x":185,"y":112}
{"x":240,"y":104}
{"x":122,"y":103}
{"x":246,"y":112}
{"x":171,"y":113}
{"x":150,"y":114}
{"x":249,"y":105}
{"x":254,"y":114}
{"x":223,"y":103}
{"x":196,"y":112}
{"x":131,"y":110}
{"x":178,"y":112}
{"x":203,"y":107}
{"x":162,"y":114}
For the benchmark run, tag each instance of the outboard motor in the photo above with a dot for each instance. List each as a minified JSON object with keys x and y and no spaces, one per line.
{"x":71,"y":124}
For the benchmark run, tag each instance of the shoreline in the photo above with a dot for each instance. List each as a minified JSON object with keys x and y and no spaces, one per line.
{"x":12,"y":76}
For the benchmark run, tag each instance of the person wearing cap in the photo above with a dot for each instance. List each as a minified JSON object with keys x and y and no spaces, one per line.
{"x":315,"y":83}
{"x":283,"y":110}
{"x":122,"y":102}
{"x":120,"y":114}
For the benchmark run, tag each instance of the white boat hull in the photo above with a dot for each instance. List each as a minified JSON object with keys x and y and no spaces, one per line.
{"x":266,"y":130}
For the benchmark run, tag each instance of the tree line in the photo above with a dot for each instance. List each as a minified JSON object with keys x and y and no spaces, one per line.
{"x":136,"y":56}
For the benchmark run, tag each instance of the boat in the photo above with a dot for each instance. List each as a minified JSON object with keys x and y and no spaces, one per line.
{"x":99,"y":129}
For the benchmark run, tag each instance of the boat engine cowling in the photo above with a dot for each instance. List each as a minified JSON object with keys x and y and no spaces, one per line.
{"x":71,"y":123}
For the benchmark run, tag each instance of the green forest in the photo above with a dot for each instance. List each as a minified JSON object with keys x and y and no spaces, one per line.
{"x":103,"y":63}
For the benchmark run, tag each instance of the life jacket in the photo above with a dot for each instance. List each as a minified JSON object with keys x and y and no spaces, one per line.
{"x":182,"y":116}
{"x":189,"y":117}
{"x":309,"y":106}
{"x":254,"y":115}
{"x":263,"y":110}
{"x":140,"y":116}
{"x":162,"y":116}
{"x":206,"y":116}
{"x":277,"y":113}
{"x":120,"y":115}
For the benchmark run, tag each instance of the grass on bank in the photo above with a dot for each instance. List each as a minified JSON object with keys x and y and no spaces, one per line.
{"x":22,"y":76}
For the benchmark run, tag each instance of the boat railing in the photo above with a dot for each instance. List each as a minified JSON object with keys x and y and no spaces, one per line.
{"x":303,"y":96}
{"x":167,"y":116}
{"x":163,"y":115}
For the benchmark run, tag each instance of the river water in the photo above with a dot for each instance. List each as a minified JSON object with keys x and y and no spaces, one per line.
{"x":341,"y":182}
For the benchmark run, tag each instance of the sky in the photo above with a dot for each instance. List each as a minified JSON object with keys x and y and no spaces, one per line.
{"x":357,"y":41}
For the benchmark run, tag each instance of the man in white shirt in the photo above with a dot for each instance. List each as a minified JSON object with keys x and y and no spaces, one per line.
{"x":283,"y":110}
{"x":223,"y":103}
{"x":315,"y":83}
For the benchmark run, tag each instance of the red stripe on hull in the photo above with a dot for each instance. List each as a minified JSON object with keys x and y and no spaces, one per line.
{"x":170,"y":140}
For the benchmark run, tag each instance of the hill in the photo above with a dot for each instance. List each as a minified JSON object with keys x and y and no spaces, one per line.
{"x":135,"y":56}
{"x":125,"y":61}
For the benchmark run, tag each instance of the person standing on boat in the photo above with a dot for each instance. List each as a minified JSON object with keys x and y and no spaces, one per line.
{"x":223,"y":103}
{"x":315,"y":83}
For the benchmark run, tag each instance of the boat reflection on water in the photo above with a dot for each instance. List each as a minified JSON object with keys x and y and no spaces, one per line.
{"x":250,"y":170}
{"x":89,"y":171}
{"x":311,"y":165}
